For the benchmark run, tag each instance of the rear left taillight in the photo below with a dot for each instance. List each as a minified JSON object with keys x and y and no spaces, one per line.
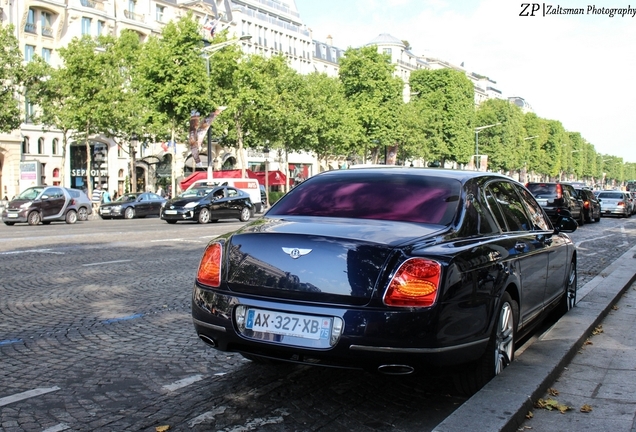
{"x":415,"y":284}
{"x":210,"y":267}
{"x":559,"y":191}
{"x":586,"y":204}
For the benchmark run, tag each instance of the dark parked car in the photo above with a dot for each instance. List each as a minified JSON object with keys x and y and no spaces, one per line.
{"x":591,"y":205}
{"x":132,"y":205}
{"x":391,"y":270}
{"x":558,"y":199}
{"x":41,"y":204}
{"x":205,"y":204}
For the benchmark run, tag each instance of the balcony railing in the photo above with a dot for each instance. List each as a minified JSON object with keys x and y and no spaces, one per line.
{"x":29,"y":27}
{"x":47,"y":31}
{"x":133,"y":16}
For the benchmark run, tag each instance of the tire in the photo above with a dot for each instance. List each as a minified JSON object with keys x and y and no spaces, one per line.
{"x":499,"y":352}
{"x":129,"y":213}
{"x":568,"y":300}
{"x":34,"y":218}
{"x":204,"y":216}
{"x":9,"y":223}
{"x":82,"y":214}
{"x":581,"y":220}
{"x":245,"y":214}
{"x":71,"y":217}
{"x":598,"y":218}
{"x":171,"y":222}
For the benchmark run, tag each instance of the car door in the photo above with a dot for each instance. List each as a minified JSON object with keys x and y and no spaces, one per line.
{"x":53,"y":202}
{"x":555,"y":248}
{"x":142,"y":206}
{"x":525,"y":246}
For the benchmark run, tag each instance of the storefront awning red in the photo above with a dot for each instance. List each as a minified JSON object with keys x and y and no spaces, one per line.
{"x":274,"y":178}
{"x":202,"y":175}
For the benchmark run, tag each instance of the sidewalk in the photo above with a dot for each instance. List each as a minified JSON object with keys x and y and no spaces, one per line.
{"x":601,"y":375}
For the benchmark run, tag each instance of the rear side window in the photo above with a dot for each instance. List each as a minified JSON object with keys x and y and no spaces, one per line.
{"x":418,"y":199}
{"x":542,"y":189}
{"x":611,"y":195}
{"x":503,"y":195}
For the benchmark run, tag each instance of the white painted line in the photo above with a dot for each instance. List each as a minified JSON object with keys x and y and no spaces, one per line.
{"x":26,"y":395}
{"x":182,"y":383}
{"x":256,"y":423}
{"x":206,"y":416}
{"x":57,"y":428}
{"x":593,"y":239}
{"x":178,"y":240}
{"x":105,"y":262}
{"x":32,"y":251}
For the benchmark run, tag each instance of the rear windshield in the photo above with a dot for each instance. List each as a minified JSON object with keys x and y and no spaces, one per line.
{"x":611,"y":195}
{"x":418,"y":199}
{"x":542,"y":189}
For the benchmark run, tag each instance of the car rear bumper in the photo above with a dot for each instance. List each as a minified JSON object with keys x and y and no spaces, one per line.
{"x":371,"y":338}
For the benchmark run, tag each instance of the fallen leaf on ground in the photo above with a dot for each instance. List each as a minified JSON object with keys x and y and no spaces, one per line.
{"x":162,"y":428}
{"x":586,"y":408}
{"x":598,"y":330}
{"x":552,"y":404}
{"x":553,"y":392}
{"x":529,"y":415}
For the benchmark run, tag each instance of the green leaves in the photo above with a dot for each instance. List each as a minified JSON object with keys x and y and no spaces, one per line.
{"x":11,"y":77}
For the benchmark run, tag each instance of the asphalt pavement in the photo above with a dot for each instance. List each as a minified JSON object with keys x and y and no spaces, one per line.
{"x":578,"y":376}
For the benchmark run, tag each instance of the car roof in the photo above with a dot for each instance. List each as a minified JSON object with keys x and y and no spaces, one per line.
{"x":460,"y":175}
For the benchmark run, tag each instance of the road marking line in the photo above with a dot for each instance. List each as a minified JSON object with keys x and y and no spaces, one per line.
{"x":126,"y":318}
{"x":206,"y":416}
{"x":32,"y":251}
{"x":57,"y":428}
{"x":181,"y":240}
{"x":26,"y":395}
{"x":592,"y":239}
{"x":183,"y":383}
{"x":256,"y":423}
{"x":105,"y":262}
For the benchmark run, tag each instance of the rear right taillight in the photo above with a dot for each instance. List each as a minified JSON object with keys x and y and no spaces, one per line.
{"x":210,"y":267}
{"x":559,"y":191}
{"x":586,"y":204}
{"x":415,"y":284}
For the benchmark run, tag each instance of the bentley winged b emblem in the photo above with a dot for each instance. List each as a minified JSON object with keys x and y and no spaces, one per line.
{"x":296,"y":253}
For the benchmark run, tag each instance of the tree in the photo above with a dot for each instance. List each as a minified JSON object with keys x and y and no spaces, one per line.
{"x":505,"y":143}
{"x":369,"y":84}
{"x":446,"y":98}
{"x":11,"y":78}
{"x":172,"y":76}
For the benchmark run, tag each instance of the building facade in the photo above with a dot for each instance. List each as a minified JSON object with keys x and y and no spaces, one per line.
{"x":42,"y":27}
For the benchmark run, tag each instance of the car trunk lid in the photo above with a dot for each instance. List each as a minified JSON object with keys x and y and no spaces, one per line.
{"x":334,"y":261}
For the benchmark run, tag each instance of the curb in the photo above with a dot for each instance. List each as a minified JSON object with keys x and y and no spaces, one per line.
{"x":502,"y":404}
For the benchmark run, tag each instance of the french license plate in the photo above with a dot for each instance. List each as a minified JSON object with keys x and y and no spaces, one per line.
{"x":542,"y":202}
{"x":280,"y":323}
{"x":12,"y":215}
{"x":105,"y":211}
{"x":169,"y":212}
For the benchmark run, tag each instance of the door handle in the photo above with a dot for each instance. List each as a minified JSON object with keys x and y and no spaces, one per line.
{"x":520,"y":246}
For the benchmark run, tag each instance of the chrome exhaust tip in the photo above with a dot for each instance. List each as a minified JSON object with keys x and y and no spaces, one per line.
{"x":396,"y":369}
{"x":207,"y":340}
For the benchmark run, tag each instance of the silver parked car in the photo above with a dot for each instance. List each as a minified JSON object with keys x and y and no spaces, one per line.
{"x":615,"y":203}
{"x":84,"y":204}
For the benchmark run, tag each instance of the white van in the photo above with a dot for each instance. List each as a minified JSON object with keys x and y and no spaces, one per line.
{"x":247,"y":185}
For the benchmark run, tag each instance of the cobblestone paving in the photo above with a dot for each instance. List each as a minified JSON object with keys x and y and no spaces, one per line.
{"x":97,"y":317}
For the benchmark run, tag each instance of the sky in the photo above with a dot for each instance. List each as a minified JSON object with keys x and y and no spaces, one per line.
{"x":577,"y":69}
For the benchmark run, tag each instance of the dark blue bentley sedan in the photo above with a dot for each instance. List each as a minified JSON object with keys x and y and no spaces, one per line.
{"x":389,"y":269}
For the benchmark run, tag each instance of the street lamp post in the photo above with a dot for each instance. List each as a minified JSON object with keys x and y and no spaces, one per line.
{"x":266,"y":155}
{"x":209,"y":50}
{"x":477,"y":130}
{"x":134,"y":140}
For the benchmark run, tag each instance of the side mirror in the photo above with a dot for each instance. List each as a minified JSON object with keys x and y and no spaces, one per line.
{"x":566,"y":224}
{"x":44,"y":197}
